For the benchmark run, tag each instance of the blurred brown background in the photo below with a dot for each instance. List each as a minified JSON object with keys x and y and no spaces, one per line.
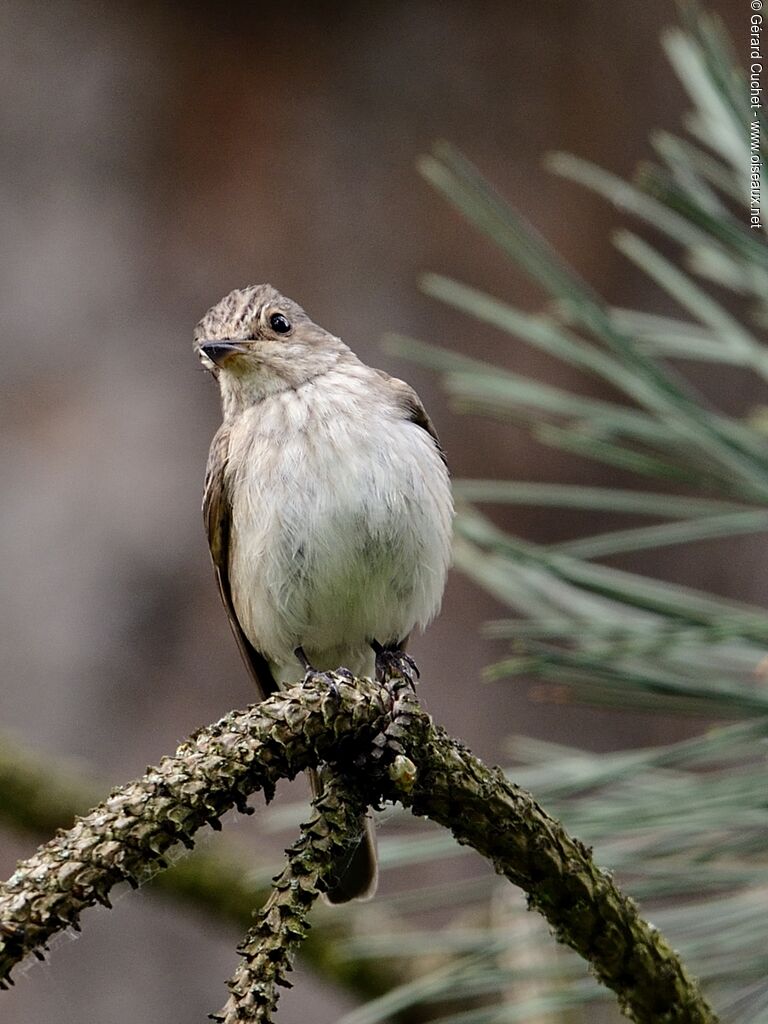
{"x":157,"y":155}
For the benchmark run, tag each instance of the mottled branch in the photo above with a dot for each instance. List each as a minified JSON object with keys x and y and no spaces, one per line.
{"x":282,"y":924}
{"x":124,"y":838}
{"x":39,"y":795}
{"x":433,"y":774}
{"x":585,"y":908}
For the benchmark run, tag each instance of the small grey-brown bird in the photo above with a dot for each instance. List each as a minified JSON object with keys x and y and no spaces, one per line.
{"x":327,"y":504}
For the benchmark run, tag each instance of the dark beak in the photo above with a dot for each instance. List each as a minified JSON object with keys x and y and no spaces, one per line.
{"x":220,"y":351}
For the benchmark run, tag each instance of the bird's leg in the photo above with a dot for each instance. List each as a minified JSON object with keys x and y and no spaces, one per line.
{"x":394,"y":661}
{"x":310,"y":672}
{"x":303,"y":659}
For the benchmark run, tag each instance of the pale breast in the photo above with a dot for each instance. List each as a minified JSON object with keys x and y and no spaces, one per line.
{"x":343,"y":515}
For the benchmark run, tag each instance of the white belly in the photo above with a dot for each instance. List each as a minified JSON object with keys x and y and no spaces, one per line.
{"x":343,"y":531}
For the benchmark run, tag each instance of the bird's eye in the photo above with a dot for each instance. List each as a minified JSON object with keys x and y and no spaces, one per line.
{"x":279,"y":324}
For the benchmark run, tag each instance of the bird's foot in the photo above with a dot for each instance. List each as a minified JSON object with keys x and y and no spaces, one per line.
{"x":311,"y":674}
{"x":391,"y":661}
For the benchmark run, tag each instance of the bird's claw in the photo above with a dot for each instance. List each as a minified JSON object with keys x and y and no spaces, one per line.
{"x":394,"y":662}
{"x":313,"y":675}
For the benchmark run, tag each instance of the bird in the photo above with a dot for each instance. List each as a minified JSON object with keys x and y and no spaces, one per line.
{"x":327,"y":504}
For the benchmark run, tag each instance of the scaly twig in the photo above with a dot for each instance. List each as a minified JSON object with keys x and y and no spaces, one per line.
{"x":221,"y":765}
{"x":282,"y":924}
{"x":39,"y":795}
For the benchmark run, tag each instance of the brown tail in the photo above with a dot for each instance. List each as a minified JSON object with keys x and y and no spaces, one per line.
{"x":355,"y":874}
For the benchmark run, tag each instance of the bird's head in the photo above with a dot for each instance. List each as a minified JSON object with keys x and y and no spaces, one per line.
{"x":257,"y":342}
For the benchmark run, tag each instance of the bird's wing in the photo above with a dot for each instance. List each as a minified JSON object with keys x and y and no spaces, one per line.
{"x":217,"y":515}
{"x":412,"y":408}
